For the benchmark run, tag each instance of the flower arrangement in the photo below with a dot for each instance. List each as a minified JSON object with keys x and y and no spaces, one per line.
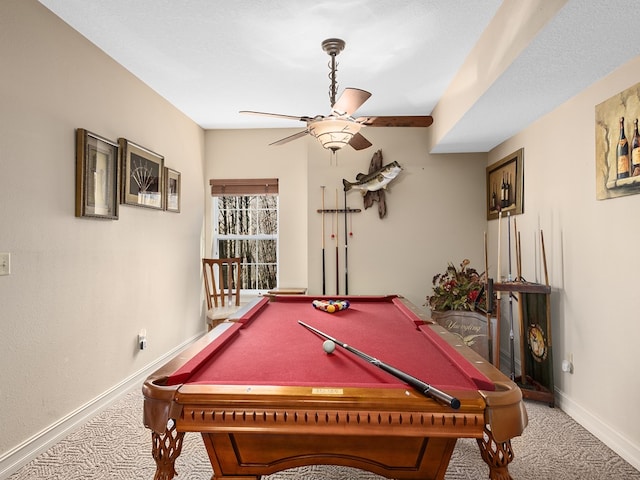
{"x":457,"y":289}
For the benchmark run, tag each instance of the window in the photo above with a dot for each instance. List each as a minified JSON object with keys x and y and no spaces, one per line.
{"x":246,"y":226}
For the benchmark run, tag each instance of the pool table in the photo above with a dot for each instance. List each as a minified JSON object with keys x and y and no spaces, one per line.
{"x":265,"y":396}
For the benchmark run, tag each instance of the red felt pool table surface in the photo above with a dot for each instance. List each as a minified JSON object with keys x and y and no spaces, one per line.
{"x":266,"y":397}
{"x":270,"y":347}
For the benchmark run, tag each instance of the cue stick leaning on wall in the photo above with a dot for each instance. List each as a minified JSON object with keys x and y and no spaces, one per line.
{"x":511,"y":332}
{"x":416,"y":383}
{"x":488,"y":289}
{"x":337,"y":252}
{"x":498,"y":294}
{"x":346,"y":248}
{"x":324,"y":281}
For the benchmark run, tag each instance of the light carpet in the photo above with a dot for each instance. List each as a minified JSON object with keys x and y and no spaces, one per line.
{"x":115,"y":445}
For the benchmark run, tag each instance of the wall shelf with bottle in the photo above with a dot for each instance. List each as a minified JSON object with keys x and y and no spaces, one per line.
{"x":624,"y":182}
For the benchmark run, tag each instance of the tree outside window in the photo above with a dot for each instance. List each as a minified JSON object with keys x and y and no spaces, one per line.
{"x":246,"y":226}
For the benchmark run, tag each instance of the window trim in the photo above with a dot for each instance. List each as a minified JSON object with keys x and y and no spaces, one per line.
{"x":244,"y":187}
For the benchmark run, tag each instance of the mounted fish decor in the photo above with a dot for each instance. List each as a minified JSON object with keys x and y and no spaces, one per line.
{"x":374,"y":184}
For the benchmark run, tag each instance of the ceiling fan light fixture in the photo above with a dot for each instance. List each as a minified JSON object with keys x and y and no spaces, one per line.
{"x":340,"y":127}
{"x":334,"y":133}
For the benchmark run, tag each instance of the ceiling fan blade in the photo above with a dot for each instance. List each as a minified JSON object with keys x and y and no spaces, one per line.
{"x":358,"y":142}
{"x":350,"y":101}
{"x":276,"y":115}
{"x":290,"y":138}
{"x":408,"y":121}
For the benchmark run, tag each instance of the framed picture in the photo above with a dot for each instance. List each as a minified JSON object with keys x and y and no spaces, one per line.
{"x":97,"y":176}
{"x":142,"y":175}
{"x":505,"y":181}
{"x":171,"y":190}
{"x":618,"y":145}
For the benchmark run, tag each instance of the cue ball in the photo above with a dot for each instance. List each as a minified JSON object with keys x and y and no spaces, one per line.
{"x":329,"y":346}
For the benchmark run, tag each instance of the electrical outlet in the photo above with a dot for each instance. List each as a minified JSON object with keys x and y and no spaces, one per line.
{"x":5,"y":263}
{"x":142,"y":339}
{"x":567,"y":365}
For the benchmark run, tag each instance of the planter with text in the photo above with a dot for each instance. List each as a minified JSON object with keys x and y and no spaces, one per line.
{"x":471,"y":327}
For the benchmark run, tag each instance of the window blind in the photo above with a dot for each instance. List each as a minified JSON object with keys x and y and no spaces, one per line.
{"x":243,"y":186}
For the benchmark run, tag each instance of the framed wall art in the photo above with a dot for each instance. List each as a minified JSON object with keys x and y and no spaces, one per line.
{"x":618,"y":145}
{"x":171,"y":190}
{"x":97,"y":176}
{"x":505,"y":181}
{"x":142,"y":175}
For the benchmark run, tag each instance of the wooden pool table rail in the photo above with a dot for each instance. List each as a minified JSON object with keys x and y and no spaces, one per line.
{"x":393,"y":432}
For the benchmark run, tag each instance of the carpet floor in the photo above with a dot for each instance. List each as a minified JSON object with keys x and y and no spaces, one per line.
{"x":115,"y":445}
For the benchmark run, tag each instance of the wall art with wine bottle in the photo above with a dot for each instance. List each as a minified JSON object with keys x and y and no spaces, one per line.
{"x":505,"y":181}
{"x":618,"y":145}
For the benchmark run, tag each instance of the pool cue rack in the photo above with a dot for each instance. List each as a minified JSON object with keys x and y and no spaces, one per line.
{"x":339,"y":210}
{"x":345,"y":211}
{"x":536,"y":358}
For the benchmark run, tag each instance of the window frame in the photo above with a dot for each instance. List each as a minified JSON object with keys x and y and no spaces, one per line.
{"x":240,"y":188}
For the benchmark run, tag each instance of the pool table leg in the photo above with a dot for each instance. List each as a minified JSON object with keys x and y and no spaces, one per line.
{"x":166,"y":448}
{"x":497,"y":455}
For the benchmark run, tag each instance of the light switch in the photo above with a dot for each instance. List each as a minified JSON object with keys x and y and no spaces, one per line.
{"x":5,"y":263}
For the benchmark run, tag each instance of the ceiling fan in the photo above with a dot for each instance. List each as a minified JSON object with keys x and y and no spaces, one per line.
{"x":340,"y":128}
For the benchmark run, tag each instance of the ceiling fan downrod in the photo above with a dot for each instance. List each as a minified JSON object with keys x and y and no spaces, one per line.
{"x":333,"y":46}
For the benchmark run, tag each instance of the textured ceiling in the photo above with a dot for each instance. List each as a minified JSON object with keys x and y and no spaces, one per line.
{"x":211,"y":58}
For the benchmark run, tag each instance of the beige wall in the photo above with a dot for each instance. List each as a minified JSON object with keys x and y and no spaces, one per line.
{"x":80,"y":290}
{"x":593,"y":265}
{"x":436,"y":208}
{"x":243,"y":154}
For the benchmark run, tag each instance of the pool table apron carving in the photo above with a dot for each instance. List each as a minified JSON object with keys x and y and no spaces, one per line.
{"x":253,"y":430}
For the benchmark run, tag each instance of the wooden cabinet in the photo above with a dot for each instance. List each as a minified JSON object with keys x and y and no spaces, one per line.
{"x":532,"y":300}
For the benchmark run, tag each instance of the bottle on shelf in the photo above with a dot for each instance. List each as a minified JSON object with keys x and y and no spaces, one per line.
{"x":635,"y":150}
{"x":503,"y":192}
{"x":494,"y":200}
{"x":623,"y":153}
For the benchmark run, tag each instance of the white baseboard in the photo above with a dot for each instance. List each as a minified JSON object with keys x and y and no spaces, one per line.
{"x":603,"y":432}
{"x":26,"y":451}
{"x":621,"y":445}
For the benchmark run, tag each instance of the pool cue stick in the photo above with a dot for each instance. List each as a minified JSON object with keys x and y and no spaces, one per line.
{"x":416,"y":383}
{"x":523,"y":373}
{"x":324,"y":281}
{"x":544,"y":259}
{"x":519,"y":256}
{"x":489,"y":296}
{"x":346,"y":248}
{"x":509,"y":245}
{"x":337,"y":252}
{"x":546,"y":279}
{"x":511,"y":333}
{"x":498,"y":273}
{"x":498,"y":292}
{"x":486,"y":270}
{"x":516,"y":237}
{"x":350,"y":223}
